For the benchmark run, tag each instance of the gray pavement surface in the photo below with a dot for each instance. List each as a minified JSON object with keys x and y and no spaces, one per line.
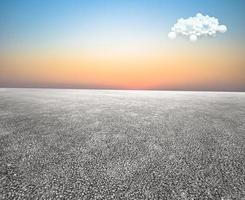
{"x":98,"y":144}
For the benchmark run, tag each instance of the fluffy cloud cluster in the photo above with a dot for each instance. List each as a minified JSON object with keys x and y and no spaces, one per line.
{"x":197,"y":26}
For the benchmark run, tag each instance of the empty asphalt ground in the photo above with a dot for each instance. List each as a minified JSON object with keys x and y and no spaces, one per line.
{"x":98,"y":144}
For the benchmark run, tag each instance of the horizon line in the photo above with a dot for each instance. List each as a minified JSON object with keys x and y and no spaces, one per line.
{"x":123,"y":89}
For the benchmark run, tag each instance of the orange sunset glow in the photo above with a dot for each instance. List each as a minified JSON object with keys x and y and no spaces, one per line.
{"x":163,"y":69}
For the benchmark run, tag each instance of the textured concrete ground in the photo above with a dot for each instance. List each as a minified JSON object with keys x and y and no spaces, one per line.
{"x":90,"y":144}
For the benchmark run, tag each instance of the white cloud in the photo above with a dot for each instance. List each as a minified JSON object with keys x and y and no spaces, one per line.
{"x":172,"y":35}
{"x":193,"y":38}
{"x":197,"y":26}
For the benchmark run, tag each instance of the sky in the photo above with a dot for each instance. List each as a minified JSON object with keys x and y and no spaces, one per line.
{"x":123,"y":44}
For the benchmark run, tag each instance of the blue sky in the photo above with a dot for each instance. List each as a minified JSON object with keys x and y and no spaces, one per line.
{"x":37,"y":20}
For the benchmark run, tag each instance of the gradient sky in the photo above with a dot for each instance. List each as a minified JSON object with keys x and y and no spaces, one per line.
{"x":119,"y":44}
